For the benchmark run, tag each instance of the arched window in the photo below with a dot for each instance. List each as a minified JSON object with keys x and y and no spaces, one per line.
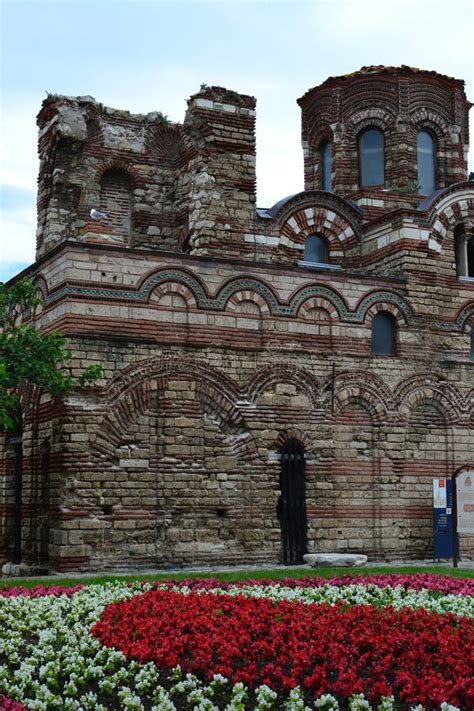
{"x":464,"y":252}
{"x":425,"y":155}
{"x":371,"y":157}
{"x":326,"y":166}
{"x":384,"y":334}
{"x":116,"y":201}
{"x":459,"y":251}
{"x":470,"y":258}
{"x":315,"y":250}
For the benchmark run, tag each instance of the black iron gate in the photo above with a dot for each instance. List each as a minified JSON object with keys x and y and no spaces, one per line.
{"x":291,"y":509}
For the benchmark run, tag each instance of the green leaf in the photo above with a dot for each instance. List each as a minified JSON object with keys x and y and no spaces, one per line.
{"x":29,"y":357}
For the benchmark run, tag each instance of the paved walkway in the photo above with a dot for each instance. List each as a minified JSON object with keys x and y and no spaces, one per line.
{"x":462,"y":565}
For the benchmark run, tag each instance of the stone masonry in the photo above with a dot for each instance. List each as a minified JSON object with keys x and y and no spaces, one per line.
{"x":219,"y":343}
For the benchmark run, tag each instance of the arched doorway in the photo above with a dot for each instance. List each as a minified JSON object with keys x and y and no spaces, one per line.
{"x":291,"y":509}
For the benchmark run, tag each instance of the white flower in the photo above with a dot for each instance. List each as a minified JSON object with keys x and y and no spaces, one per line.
{"x":358,"y":702}
{"x":49,"y":656}
{"x":327,"y":702}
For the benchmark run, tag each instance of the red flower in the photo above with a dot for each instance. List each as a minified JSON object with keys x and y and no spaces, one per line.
{"x":418,"y":656}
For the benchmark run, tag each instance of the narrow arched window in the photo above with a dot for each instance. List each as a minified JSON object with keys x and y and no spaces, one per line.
{"x":470,"y":258}
{"x":371,"y":157}
{"x":326,"y":166}
{"x":116,"y":201}
{"x":464,"y":252}
{"x":460,"y":251}
{"x":425,"y":154}
{"x":315,"y":250}
{"x":384,"y":334}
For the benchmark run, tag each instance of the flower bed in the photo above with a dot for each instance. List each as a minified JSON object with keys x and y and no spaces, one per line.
{"x":10,"y":705}
{"x":442,"y":584}
{"x":291,"y":645}
{"x":39,"y":591}
{"x":413,"y":655}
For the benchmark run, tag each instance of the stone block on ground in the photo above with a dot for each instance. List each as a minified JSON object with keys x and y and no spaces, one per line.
{"x":335,"y":559}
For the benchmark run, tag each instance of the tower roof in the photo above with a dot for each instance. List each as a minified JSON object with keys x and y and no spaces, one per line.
{"x":403,"y":70}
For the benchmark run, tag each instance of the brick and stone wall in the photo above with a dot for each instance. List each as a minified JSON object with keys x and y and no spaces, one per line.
{"x":218,"y":343}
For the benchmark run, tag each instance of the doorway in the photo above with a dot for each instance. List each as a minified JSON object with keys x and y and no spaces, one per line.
{"x":291,"y":508}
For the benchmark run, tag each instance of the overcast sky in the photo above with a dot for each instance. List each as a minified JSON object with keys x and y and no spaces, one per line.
{"x":147,"y":55}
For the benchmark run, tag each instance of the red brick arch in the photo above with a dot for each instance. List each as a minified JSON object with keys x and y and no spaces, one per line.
{"x":249,"y":295}
{"x":429,"y":120}
{"x":450,"y":210}
{"x":428,"y":388}
{"x":304,"y":381}
{"x":119,"y":166}
{"x":315,"y":302}
{"x":293,"y":433}
{"x":364,"y":389}
{"x":172,"y":287}
{"x":319,"y":133}
{"x":387,"y":308}
{"x":371,"y":118}
{"x":317,"y":219}
{"x":134,"y":391}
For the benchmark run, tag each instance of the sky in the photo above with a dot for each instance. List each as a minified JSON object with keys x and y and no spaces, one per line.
{"x":151,"y":55}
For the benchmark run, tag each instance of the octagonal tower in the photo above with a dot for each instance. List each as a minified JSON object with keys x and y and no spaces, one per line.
{"x":399,"y":130}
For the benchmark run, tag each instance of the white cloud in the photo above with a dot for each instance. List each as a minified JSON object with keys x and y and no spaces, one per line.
{"x":279,"y":160}
{"x":285,"y":49}
{"x":19,"y":163}
{"x":18,"y":228}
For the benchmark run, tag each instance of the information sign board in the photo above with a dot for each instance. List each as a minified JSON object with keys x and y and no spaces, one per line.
{"x":465,"y":501}
{"x":442,"y":519}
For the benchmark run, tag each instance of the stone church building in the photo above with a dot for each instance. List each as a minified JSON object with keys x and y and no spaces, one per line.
{"x":274,"y":380}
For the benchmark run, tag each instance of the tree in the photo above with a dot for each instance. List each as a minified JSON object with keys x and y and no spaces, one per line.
{"x":27,"y":356}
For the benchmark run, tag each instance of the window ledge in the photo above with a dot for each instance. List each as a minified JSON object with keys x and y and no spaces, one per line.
{"x":318,"y":265}
{"x":466,"y":278}
{"x":466,"y":360}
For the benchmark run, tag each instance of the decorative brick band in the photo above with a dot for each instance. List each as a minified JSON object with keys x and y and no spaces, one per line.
{"x":465,"y":315}
{"x":238,"y":401}
{"x":248,"y":287}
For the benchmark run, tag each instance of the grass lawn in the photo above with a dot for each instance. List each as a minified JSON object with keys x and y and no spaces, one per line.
{"x":234,"y":576}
